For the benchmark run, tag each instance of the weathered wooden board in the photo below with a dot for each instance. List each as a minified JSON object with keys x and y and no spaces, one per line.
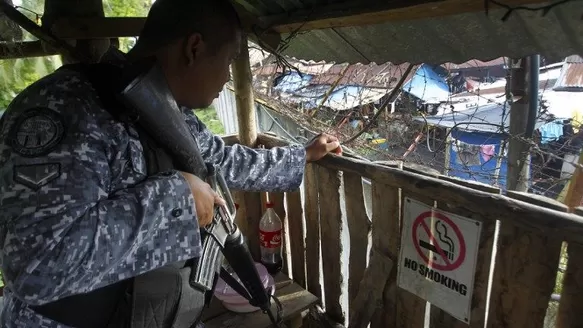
{"x":331,"y":217}
{"x":359,"y":227}
{"x":297,"y":237}
{"x":312,"y":208}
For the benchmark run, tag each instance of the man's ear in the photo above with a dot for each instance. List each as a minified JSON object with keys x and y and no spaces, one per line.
{"x":193,"y":46}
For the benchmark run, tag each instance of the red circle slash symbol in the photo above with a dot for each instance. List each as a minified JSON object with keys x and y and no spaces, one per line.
{"x":448,"y":257}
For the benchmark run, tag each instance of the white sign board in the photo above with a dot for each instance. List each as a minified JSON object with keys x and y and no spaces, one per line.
{"x":438,"y":257}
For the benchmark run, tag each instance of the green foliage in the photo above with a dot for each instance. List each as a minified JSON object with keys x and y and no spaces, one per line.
{"x":126,"y":8}
{"x":210,"y":118}
{"x":17,"y":74}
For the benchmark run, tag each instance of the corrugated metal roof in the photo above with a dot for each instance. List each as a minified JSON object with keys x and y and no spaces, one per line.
{"x":475,"y":63}
{"x":571,"y":77}
{"x":307,"y":68}
{"x":455,"y":39}
{"x":383,"y":76}
{"x":574,"y":59}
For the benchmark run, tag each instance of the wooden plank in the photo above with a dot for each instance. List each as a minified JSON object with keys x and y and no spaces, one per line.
{"x":482,"y":274}
{"x":569,"y":315}
{"x":230,"y":139}
{"x":522,"y":214}
{"x":354,"y":13}
{"x":252,"y":212}
{"x":10,"y":12}
{"x":370,"y":293}
{"x":311,"y":199}
{"x":294,"y":299}
{"x":410,"y":307}
{"x":440,"y":318}
{"x":359,"y":227}
{"x":385,"y":243}
{"x":116,"y":27}
{"x":25,"y":49}
{"x":331,"y":218}
{"x":524,"y":277}
{"x":295,"y":214}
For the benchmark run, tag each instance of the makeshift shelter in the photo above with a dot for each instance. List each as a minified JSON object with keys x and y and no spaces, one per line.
{"x":477,"y":147}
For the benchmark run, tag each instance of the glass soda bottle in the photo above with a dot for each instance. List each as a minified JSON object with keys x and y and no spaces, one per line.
{"x":270,"y":237}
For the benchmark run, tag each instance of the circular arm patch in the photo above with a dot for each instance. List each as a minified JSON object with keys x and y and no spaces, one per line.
{"x":36,"y":132}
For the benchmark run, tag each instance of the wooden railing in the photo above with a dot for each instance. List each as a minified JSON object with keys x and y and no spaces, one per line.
{"x":330,"y":238}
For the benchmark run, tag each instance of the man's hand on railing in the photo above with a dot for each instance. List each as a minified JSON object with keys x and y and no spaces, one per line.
{"x":321,"y":145}
{"x":205,"y":198}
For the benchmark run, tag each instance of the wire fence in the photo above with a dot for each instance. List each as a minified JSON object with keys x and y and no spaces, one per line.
{"x":451,"y":118}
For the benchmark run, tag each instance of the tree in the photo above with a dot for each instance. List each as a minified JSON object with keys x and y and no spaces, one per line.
{"x":17,"y":74}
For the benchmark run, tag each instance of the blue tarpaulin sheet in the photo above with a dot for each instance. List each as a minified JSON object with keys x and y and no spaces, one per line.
{"x":427,"y":86}
{"x":473,"y":156}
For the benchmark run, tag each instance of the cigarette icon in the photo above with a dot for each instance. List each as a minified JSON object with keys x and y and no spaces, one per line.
{"x":432,"y":248}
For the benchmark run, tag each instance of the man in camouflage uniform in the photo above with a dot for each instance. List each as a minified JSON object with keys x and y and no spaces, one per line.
{"x":78,"y":210}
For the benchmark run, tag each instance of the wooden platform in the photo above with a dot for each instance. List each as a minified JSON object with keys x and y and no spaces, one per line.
{"x":292,"y":296}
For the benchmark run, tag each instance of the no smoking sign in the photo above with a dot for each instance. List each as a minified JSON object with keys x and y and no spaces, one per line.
{"x":438,"y":257}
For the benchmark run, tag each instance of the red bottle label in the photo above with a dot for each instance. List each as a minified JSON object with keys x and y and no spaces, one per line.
{"x":270,"y":239}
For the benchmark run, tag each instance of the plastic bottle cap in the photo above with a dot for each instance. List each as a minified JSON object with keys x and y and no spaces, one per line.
{"x":269,"y":205}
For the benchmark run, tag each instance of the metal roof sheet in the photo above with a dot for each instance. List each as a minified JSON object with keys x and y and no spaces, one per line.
{"x":454,"y":39}
{"x":571,"y":77}
{"x":373,"y":76}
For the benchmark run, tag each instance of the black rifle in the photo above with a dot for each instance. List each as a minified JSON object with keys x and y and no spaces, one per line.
{"x":148,"y":95}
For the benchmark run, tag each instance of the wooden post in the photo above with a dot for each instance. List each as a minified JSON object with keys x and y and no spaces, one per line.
{"x":526,"y":262}
{"x":248,"y":137}
{"x":517,"y":175}
{"x":448,"y":141}
{"x":243,"y":81}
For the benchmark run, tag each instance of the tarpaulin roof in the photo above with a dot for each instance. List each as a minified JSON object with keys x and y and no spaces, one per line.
{"x":427,"y":85}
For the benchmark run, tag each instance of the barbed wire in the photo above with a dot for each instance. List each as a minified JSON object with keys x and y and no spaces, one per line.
{"x":404,"y":133}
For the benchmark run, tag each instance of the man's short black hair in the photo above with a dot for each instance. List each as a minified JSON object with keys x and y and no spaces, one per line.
{"x":216,"y":20}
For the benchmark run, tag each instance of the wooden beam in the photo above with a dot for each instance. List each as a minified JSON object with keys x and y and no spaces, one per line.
{"x":528,"y":215}
{"x":359,"y":13}
{"x":31,"y":27}
{"x":116,"y":27}
{"x":518,"y":147}
{"x":97,"y":27}
{"x":14,"y":50}
{"x":243,"y":80}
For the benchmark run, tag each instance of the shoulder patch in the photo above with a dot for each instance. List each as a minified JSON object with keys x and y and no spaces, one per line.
{"x":36,"y":132}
